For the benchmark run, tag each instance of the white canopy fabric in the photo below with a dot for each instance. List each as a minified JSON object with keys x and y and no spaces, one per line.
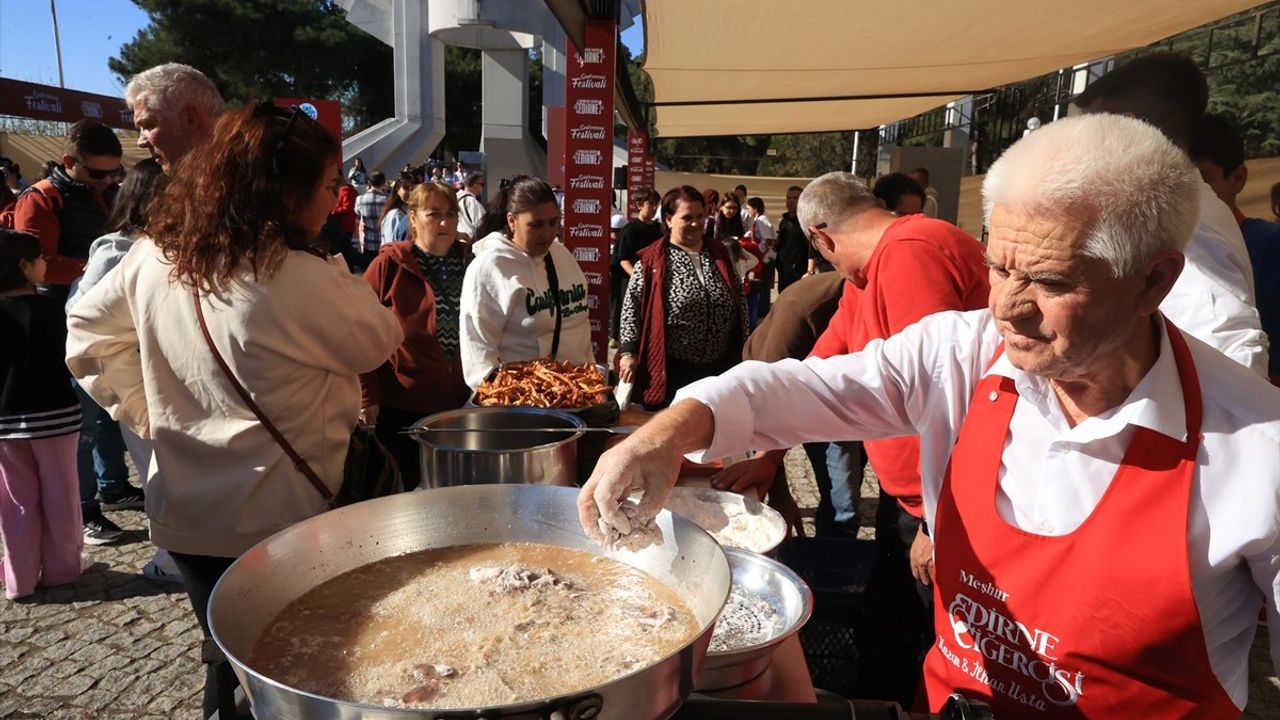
{"x":851,"y":64}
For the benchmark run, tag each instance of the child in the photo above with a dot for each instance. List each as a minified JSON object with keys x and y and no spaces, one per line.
{"x":40,"y":520}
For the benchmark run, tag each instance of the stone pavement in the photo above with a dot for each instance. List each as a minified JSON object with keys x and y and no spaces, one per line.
{"x":113,"y":645}
{"x":118,"y":646}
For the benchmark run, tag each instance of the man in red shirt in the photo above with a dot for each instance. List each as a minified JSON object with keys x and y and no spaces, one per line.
{"x":899,"y":270}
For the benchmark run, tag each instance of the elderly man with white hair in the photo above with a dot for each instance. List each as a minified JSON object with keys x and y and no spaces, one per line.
{"x":174,"y":108}
{"x":1103,"y":488}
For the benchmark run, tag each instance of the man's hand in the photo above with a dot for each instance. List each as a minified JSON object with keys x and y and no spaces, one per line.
{"x":922,"y":558}
{"x":648,"y":461}
{"x":627,"y":368}
{"x":752,"y":477}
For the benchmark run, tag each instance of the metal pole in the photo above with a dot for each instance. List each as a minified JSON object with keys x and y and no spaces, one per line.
{"x":853,"y":164}
{"x":57,"y":42}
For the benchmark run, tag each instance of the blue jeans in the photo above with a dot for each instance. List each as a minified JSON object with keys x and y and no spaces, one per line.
{"x":100,"y":455}
{"x":837,"y":466}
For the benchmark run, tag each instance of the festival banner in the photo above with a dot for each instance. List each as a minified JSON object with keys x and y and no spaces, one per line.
{"x":46,"y":102}
{"x":650,"y":166}
{"x":588,"y":167}
{"x":637,"y":150}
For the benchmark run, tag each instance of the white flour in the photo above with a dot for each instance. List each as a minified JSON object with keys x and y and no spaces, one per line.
{"x":727,"y":517}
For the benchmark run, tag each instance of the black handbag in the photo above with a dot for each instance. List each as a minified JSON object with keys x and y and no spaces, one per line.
{"x":369,"y":472}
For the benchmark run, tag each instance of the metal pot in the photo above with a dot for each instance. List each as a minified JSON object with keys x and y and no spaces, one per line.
{"x":476,"y":458}
{"x":286,"y":565}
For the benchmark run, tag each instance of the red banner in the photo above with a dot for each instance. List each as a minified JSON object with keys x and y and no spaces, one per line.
{"x":650,"y":165}
{"x":46,"y":102}
{"x":588,"y":167}
{"x":637,"y":150}
{"x":326,"y":112}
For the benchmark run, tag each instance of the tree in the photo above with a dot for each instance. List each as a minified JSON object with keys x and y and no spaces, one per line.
{"x":1244,"y":87}
{"x":808,"y":154}
{"x":254,"y":49}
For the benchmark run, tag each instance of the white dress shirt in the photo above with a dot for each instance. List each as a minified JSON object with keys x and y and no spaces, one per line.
{"x":1213,"y":297}
{"x":1052,"y":475}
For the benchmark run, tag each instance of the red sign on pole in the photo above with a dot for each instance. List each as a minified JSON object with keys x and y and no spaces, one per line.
{"x":637,"y":150}
{"x":650,"y":165}
{"x":588,"y":167}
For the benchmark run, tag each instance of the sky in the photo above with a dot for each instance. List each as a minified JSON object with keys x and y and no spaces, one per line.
{"x":92,"y":31}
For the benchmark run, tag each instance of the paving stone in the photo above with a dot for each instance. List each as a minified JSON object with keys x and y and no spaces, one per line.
{"x":17,"y":634}
{"x":47,"y":637}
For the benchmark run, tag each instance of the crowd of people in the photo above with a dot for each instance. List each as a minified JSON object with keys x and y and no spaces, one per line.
{"x":1111,"y":333}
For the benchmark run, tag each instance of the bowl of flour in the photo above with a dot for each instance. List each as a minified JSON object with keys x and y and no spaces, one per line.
{"x":733,"y":520}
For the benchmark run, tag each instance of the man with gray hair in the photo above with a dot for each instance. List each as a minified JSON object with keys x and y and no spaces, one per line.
{"x":898,"y":271}
{"x":1102,"y":486}
{"x":174,"y":108}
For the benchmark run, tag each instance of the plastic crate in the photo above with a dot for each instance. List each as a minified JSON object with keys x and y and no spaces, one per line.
{"x":837,"y":571}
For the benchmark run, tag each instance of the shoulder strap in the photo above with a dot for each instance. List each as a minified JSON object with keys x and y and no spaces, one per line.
{"x":554,"y":281}
{"x":298,"y":461}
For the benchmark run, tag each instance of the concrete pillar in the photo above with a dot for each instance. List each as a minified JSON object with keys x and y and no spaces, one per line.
{"x":553,"y":67}
{"x":418,"y":64}
{"x":504,"y":136}
{"x":959,"y":131}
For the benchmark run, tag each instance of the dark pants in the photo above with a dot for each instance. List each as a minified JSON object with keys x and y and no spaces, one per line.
{"x":200,"y":573}
{"x":681,"y":373}
{"x":899,"y":610}
{"x":405,"y":450}
{"x":99,"y":456}
{"x":787,"y":277}
{"x":618,"y":280}
{"x":763,"y":291}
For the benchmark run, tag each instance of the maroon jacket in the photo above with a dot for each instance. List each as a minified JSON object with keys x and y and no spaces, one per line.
{"x":419,"y":376}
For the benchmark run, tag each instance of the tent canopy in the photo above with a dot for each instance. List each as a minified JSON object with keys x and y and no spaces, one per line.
{"x":783,"y":66}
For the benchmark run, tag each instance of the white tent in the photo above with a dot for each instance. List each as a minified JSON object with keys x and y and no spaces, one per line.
{"x":781,"y":66}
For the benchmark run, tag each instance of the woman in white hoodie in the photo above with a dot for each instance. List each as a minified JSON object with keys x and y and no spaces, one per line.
{"x":231,"y":235}
{"x":524,"y":296}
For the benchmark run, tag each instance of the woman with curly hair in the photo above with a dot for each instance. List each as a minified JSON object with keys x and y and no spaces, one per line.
{"x":228,"y":247}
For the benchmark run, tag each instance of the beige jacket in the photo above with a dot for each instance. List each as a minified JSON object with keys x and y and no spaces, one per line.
{"x":219,"y":483}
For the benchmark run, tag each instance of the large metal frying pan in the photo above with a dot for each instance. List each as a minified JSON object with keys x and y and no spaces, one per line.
{"x":288,"y":564}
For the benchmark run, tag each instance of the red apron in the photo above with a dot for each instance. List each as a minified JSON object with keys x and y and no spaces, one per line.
{"x":1098,"y":623}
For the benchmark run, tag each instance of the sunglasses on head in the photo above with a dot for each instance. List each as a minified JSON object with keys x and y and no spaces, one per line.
{"x":270,"y":109}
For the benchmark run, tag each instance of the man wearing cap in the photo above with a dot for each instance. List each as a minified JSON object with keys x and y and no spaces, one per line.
{"x":1101,"y":486}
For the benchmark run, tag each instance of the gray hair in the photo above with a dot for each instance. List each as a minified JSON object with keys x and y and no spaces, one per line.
{"x":1140,"y":190}
{"x":833,"y":199}
{"x":168,"y":88}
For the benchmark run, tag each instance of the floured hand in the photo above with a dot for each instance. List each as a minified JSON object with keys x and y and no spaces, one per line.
{"x":648,"y":461}
{"x":643,"y":532}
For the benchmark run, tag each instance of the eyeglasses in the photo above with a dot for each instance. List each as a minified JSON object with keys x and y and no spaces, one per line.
{"x":813,"y":236}
{"x":116,"y":172}
{"x":266,"y":107}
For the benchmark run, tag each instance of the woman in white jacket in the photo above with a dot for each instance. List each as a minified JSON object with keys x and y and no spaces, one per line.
{"x":524,"y":296}
{"x":296,"y":328}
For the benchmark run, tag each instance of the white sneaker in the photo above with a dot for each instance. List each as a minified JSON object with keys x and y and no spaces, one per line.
{"x":161,"y":568}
